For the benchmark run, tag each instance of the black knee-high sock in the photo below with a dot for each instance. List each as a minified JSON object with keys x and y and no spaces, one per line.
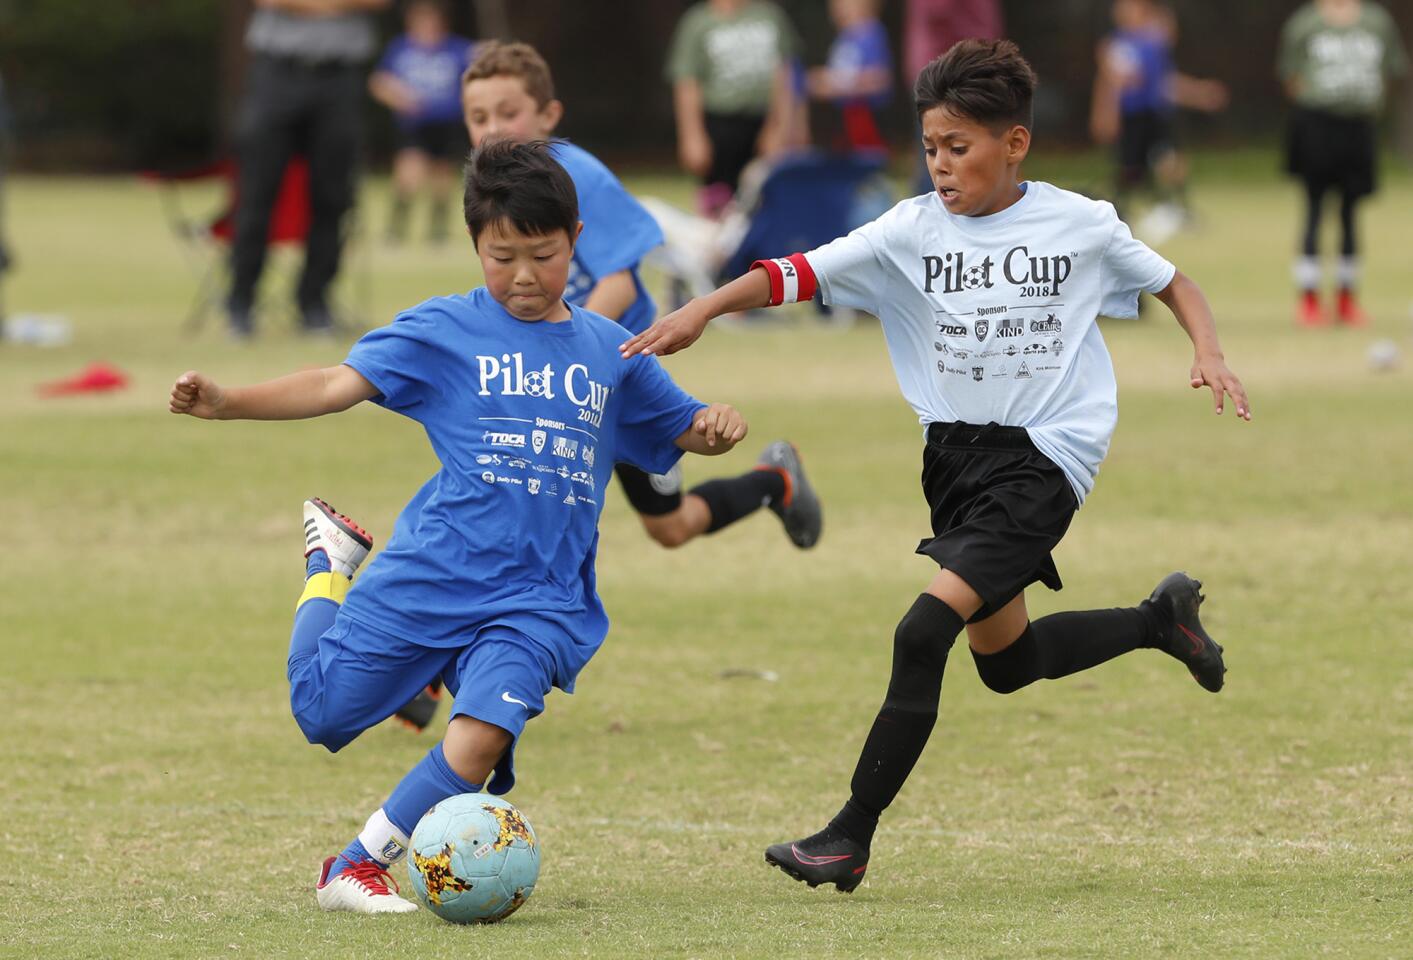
{"x":900,"y":731}
{"x":731,"y":498}
{"x":1065,"y":643}
{"x":1314,"y":204}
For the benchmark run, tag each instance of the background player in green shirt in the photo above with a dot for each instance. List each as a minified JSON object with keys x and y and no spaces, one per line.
{"x":1336,"y":58}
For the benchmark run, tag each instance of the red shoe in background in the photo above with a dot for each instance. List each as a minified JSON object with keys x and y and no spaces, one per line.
{"x":1310,"y":313}
{"x":1349,"y":312}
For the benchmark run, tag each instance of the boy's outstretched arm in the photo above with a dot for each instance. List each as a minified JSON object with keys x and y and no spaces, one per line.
{"x":1209,"y":367}
{"x":681,"y":328}
{"x":308,"y":393}
{"x":715,"y":430}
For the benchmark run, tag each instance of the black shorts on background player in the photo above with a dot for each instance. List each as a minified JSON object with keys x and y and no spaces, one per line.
{"x":652,"y":495}
{"x":733,"y":139}
{"x":444,"y":141}
{"x":999,"y":506}
{"x":1332,"y":152}
{"x":1144,"y":135}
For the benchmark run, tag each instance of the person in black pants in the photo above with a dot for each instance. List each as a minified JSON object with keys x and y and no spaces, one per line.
{"x":303,"y":94}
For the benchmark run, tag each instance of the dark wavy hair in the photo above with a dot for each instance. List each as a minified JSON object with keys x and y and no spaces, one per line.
{"x":987,"y":81}
{"x":520,"y":184}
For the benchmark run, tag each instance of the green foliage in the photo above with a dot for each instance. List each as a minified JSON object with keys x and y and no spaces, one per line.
{"x":135,"y":83}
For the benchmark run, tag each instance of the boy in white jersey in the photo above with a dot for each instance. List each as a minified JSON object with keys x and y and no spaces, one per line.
{"x":988,"y":290}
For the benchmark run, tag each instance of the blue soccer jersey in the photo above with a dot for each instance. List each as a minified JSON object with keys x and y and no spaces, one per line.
{"x":434,"y":74}
{"x":527,"y":420}
{"x":618,"y":233}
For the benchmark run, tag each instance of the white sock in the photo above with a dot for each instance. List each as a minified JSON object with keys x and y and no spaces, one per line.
{"x":1347,"y":272}
{"x":382,"y":839}
{"x":1307,"y":273}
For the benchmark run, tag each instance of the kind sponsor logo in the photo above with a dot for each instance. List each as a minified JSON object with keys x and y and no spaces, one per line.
{"x":565,"y":448}
{"x":1010,"y":328}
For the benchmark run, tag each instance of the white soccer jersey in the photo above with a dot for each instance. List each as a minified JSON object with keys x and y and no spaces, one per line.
{"x":993,"y":318}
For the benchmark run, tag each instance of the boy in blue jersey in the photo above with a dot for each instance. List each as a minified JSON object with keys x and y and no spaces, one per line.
{"x":988,"y":290}
{"x":488,"y":581}
{"x":418,"y":79}
{"x":508,"y":92}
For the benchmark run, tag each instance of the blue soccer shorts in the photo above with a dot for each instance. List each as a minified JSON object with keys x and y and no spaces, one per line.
{"x":364,"y":675}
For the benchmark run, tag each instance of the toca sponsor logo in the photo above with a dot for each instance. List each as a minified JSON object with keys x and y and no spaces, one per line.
{"x":951,"y":329}
{"x":503,"y":439}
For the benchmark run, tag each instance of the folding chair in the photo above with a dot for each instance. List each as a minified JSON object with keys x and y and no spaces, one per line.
{"x":807,"y":200}
{"x":207,"y":239}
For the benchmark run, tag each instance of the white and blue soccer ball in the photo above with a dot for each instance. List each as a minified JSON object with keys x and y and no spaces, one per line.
{"x":474,"y":858}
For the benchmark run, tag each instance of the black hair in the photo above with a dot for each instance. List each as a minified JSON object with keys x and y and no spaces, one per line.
{"x":521,"y":184}
{"x":987,"y":81}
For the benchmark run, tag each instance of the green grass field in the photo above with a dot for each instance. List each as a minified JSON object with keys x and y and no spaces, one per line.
{"x":160,"y":802}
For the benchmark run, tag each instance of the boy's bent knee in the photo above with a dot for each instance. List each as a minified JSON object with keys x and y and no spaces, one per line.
{"x":323,"y":734}
{"x":1010,"y":668}
{"x":473,"y":747}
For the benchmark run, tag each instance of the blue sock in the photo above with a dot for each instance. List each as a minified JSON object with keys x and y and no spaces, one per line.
{"x":353,"y":853}
{"x":426,"y":785}
{"x":316,"y":562}
{"x":313,"y":617}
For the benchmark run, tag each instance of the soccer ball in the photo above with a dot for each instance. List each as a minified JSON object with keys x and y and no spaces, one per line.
{"x":473,"y":859}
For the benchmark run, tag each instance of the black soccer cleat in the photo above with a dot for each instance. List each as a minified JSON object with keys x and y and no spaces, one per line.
{"x":418,"y":712}
{"x":827,"y":857}
{"x":799,"y":509}
{"x":1176,"y":599}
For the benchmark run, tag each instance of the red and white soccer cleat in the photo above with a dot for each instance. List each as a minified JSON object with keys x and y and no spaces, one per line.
{"x":361,"y":888}
{"x":344,"y":542}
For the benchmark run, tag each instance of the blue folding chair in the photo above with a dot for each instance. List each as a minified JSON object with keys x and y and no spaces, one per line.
{"x":807,"y":200}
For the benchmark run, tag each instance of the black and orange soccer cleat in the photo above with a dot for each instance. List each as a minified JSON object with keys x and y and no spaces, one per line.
{"x":1176,"y":599}
{"x":827,"y":857}
{"x":418,"y":712}
{"x":799,"y":510}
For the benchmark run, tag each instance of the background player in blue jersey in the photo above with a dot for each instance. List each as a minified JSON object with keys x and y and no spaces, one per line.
{"x":488,"y":580}
{"x":1137,"y":91}
{"x":419,"y":79}
{"x":859,"y":74}
{"x":509,"y":92}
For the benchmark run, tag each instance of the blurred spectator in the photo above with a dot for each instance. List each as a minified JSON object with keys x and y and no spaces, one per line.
{"x":730,"y":72}
{"x":1137,"y":90}
{"x":303,"y":93}
{"x":419,"y":79}
{"x":1335,"y":59}
{"x":859,"y":74}
{"x":930,"y":28}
